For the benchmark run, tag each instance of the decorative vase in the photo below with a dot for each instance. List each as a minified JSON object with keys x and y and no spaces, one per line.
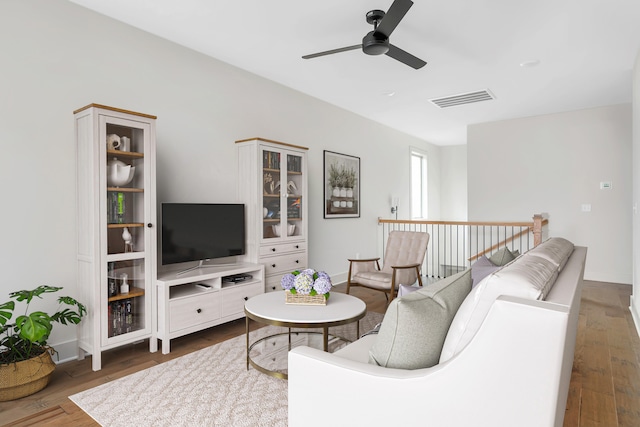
{"x":349,"y":204}
{"x":336,"y":192}
{"x":336,"y":203}
{"x":349,"y":192}
{"x":24,"y":378}
{"x":343,"y":192}
{"x":119,"y":173}
{"x":343,"y":204}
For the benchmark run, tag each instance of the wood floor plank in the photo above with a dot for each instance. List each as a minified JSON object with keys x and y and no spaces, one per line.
{"x":598,"y":409}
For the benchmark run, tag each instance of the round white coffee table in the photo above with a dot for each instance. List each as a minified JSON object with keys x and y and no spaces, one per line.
{"x":270,"y":309}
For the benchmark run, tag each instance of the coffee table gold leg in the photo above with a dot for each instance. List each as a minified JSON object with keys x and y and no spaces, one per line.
{"x":325,"y":338}
{"x":247,"y":329}
{"x":289,"y":339}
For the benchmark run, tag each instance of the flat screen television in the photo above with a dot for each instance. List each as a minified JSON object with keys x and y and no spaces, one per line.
{"x":202,"y":231}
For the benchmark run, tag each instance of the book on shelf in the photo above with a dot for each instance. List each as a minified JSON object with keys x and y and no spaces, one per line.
{"x":121,"y":314}
{"x":270,"y":160}
{"x":116,"y":207}
{"x":294,"y":163}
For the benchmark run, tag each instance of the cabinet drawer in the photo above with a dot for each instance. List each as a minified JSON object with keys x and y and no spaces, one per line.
{"x":186,"y":312}
{"x":234,"y":297}
{"x":282,"y":248}
{"x":284,"y":264}
{"x":272,"y":284}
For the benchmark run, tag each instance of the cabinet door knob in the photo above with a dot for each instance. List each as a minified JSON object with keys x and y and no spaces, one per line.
{"x":273,"y":288}
{"x":199,"y":310}
{"x":297,"y":246}
{"x":273,"y":265}
{"x":246,"y":298}
{"x":273,"y":249}
{"x":297,"y":262}
{"x":149,"y":225}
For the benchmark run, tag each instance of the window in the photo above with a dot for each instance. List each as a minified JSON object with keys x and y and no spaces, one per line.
{"x":418,"y":185}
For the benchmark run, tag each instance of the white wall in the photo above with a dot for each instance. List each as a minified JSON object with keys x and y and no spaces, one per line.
{"x":635,"y":298}
{"x":554,"y":163}
{"x":453,"y":192}
{"x":58,"y":57}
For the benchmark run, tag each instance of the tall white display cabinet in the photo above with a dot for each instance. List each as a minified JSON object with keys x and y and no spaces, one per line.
{"x":272,"y":183}
{"x":116,"y":228}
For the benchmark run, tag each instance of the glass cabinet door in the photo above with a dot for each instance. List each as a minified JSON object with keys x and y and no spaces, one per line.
{"x":271,"y":200}
{"x":282,"y":177}
{"x":293,"y":195}
{"x":125,"y":295}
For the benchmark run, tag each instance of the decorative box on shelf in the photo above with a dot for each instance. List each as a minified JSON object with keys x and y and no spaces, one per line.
{"x":304,"y":299}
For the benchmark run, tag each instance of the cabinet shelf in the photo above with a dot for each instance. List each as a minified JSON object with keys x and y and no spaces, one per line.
{"x":125,"y":154}
{"x":125,"y":190}
{"x":130,"y":224}
{"x":133,"y":293}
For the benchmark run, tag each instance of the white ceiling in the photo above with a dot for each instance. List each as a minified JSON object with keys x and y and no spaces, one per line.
{"x":586,"y":50}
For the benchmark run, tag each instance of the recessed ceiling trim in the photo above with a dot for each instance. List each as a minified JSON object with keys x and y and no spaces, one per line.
{"x":463,"y":98}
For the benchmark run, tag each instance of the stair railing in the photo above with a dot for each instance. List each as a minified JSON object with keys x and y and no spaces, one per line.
{"x":455,"y":245}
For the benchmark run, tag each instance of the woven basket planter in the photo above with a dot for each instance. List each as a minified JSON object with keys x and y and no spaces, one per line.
{"x":304,"y":299}
{"x":24,"y":378}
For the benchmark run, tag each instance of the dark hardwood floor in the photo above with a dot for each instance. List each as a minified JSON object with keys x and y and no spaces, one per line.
{"x":605,"y":383}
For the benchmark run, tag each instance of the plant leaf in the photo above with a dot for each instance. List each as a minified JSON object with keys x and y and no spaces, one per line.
{"x":66,"y":315}
{"x":4,"y":314}
{"x":35,"y":327}
{"x":28,"y":295}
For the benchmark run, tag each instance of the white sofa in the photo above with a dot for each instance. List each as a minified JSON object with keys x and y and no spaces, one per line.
{"x":514,"y":369}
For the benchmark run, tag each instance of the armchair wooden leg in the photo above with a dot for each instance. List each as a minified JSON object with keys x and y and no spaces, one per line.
{"x":349,"y":278}
{"x":419,"y":278}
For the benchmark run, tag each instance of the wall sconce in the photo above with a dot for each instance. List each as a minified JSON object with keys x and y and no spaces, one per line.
{"x":394,"y":205}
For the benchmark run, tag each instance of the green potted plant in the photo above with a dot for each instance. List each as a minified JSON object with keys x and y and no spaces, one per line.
{"x":25,"y":357}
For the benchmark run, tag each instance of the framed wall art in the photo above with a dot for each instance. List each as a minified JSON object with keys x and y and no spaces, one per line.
{"x":341,"y":185}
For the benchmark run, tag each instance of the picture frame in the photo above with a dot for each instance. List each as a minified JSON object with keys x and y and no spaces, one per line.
{"x":341,"y":185}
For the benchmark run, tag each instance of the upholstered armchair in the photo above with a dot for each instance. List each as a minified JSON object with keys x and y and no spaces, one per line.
{"x":403,"y":258}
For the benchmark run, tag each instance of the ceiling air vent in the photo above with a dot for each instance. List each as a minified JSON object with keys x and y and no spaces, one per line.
{"x":463,"y":98}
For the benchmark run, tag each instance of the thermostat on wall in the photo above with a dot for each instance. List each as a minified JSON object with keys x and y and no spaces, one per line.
{"x":605,"y":185}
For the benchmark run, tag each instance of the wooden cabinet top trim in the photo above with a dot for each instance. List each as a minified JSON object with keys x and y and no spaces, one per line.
{"x":119,"y":110}
{"x":272,"y":142}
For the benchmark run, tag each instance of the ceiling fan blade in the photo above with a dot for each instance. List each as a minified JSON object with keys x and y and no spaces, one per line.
{"x":394,"y":15}
{"x":405,"y":57}
{"x":331,"y":52}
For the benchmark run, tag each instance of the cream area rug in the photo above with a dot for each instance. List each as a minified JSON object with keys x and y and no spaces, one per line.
{"x":209,"y":387}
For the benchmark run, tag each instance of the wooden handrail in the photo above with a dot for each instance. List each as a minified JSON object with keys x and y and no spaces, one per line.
{"x":476,"y":223}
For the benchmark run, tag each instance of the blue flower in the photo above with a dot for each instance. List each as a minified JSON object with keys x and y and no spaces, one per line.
{"x":322,"y":285}
{"x":287,"y":281}
{"x":322,"y":274}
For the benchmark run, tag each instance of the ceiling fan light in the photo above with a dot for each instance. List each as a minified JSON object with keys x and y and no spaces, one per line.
{"x":375,"y":44}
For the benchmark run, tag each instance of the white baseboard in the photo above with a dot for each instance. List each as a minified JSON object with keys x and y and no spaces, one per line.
{"x":635,"y":314}
{"x":67,"y":351}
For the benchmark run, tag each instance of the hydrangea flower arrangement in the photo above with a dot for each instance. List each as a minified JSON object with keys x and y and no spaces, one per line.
{"x":307,"y":282}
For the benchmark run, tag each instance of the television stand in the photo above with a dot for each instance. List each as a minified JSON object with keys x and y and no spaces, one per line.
{"x":190,"y":301}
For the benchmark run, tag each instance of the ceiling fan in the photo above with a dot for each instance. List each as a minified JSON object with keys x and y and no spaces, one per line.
{"x":376,"y":42}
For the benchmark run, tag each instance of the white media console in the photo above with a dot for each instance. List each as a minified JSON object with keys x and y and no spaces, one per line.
{"x":204,"y":298}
